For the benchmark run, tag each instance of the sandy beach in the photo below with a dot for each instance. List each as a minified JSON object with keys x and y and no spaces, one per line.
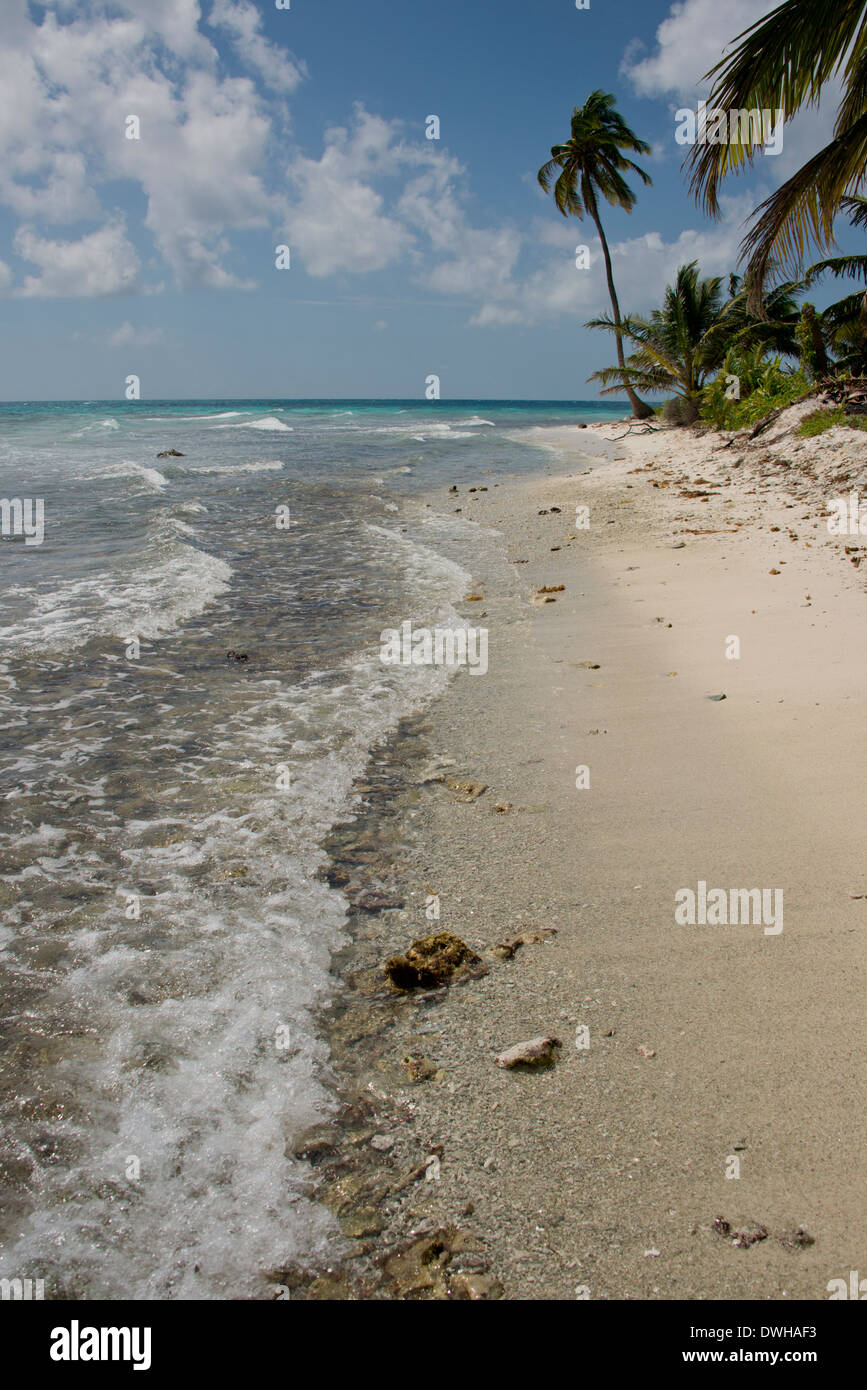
{"x":699,"y":1132}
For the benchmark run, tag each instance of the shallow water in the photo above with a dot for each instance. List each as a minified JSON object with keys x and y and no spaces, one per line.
{"x":165,"y":941}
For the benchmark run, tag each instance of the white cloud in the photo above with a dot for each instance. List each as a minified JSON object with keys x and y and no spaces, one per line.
{"x":557,"y":288}
{"x":98,"y":265}
{"x":243,"y":21}
{"x":127,"y":336}
{"x":689,"y":42}
{"x":337,"y":220}
{"x":67,"y":88}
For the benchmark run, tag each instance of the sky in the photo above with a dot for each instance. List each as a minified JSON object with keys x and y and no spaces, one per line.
{"x":306,"y":127}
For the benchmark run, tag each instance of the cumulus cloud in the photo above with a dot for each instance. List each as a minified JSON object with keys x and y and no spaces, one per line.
{"x":98,"y":265}
{"x":68,"y":85}
{"x":338,"y":221}
{"x":552,"y":286}
{"x":243,"y":21}
{"x":689,"y":42}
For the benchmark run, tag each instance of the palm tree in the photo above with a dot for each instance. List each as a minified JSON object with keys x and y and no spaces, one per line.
{"x":591,"y":163}
{"x":772,"y":325}
{"x":678,"y":345}
{"x":782,"y":63}
{"x":845,"y":322}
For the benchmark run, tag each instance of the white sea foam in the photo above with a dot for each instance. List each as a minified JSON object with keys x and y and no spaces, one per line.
{"x":149,"y":600}
{"x":130,"y":469}
{"x":199,"y":1091}
{"x":268,"y":422}
{"x":257,"y":467}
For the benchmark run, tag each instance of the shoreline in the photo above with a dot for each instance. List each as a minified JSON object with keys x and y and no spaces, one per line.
{"x":606,"y":1173}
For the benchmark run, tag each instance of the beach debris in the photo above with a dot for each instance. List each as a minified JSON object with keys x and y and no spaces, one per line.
{"x":551,"y":589}
{"x":798,"y":1239}
{"x":433,"y":961}
{"x":645,"y":1051}
{"x":474,"y":598}
{"x":502,"y":808}
{"x":543,"y":512}
{"x":535,"y":1052}
{"x":453,"y":488}
{"x":556,"y":509}
{"x":586,"y":665}
{"x":236,"y":656}
{"x":717,"y":697}
{"x":465,"y":790}
{"x":544,"y":598}
{"x":418,"y":1067}
{"x":752,"y":1234}
{"x":170,"y":454}
{"x":678,"y":545}
{"x":505,"y":950}
{"x":652,"y":1253}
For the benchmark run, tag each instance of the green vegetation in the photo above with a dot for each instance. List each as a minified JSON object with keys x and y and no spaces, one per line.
{"x":730,"y":352}
{"x":764,"y":385}
{"x":821,"y":420}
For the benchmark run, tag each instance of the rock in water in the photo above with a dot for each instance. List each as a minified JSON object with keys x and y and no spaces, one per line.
{"x":537,"y":1052}
{"x":465,"y":791}
{"x":170,"y":454}
{"x":433,"y":961}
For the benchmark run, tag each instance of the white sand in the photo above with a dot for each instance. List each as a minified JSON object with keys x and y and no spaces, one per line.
{"x":608,"y":1170}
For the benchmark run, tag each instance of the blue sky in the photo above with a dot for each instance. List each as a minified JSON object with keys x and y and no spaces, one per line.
{"x":305,"y":127}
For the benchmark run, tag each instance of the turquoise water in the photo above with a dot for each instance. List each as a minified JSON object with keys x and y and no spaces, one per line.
{"x":164,"y":808}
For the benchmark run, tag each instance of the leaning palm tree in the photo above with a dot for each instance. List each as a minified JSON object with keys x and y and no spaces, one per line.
{"x":592,"y":163}
{"x":782,"y":63}
{"x":678,"y":345}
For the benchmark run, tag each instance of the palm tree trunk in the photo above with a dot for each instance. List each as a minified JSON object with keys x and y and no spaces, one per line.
{"x":640,"y":409}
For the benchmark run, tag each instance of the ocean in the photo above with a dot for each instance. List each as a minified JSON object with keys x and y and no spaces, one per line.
{"x":166,"y":939}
